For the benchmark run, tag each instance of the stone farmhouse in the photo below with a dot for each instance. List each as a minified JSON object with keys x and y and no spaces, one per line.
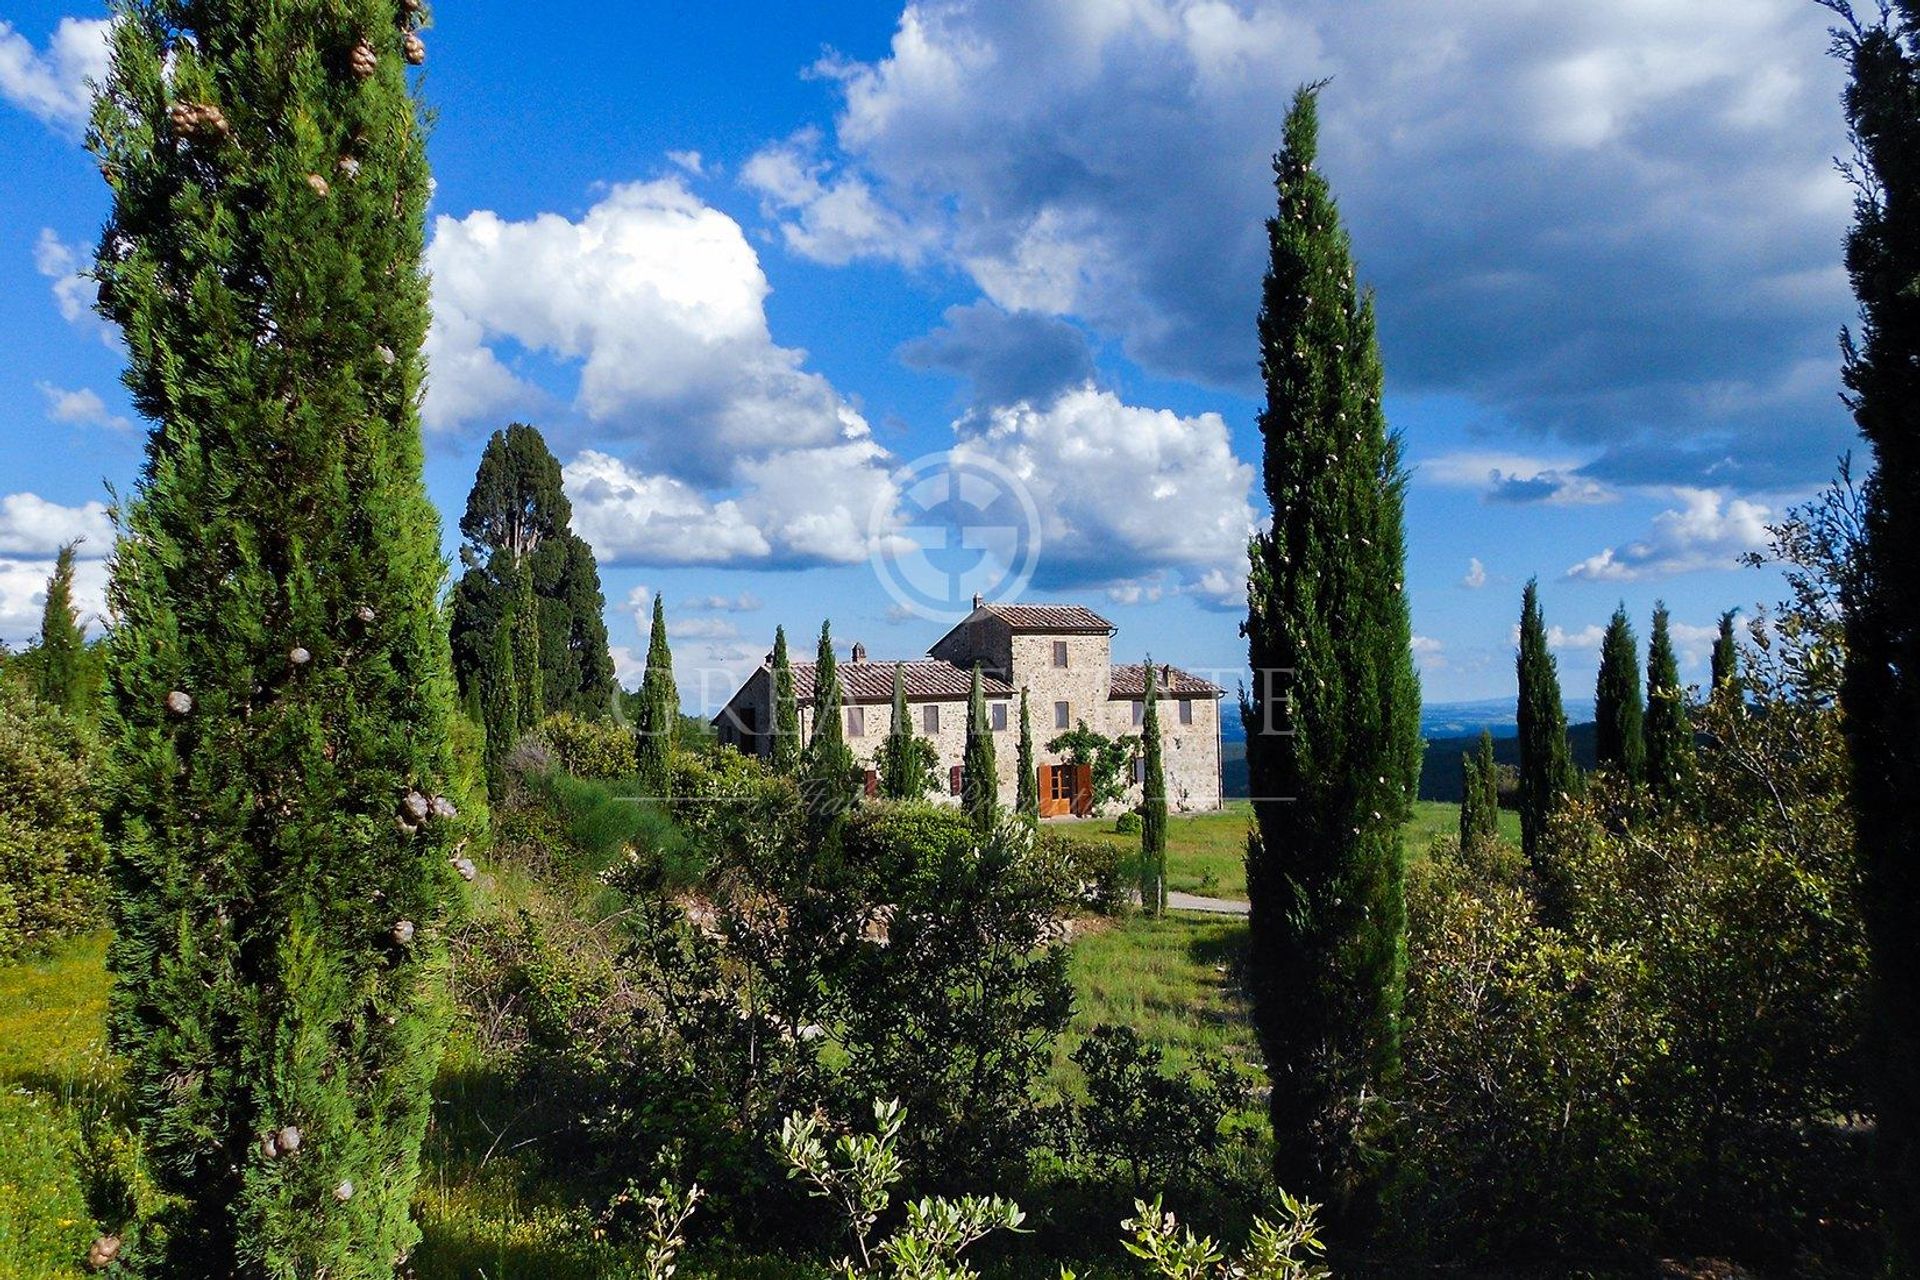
{"x":1062,"y":655}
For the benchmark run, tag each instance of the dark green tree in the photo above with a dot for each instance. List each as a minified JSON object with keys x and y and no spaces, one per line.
{"x":827,"y":771}
{"x":786,"y":710}
{"x":517,"y":517}
{"x":1881,"y":693}
{"x":1726,"y":660}
{"x":1480,"y":796}
{"x":283,"y":808}
{"x":906,"y":761}
{"x":979,"y":772}
{"x":1333,"y":720}
{"x":659,"y":718}
{"x":1153,"y":807}
{"x":62,"y":654}
{"x":524,"y":626}
{"x":498,"y":687}
{"x":1619,"y":731}
{"x":1669,"y":725}
{"x":1027,"y":789}
{"x":1547,"y":775}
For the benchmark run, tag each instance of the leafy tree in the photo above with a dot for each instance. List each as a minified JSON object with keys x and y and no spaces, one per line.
{"x":517,"y":518}
{"x":281,"y":692}
{"x":786,"y":710}
{"x":1153,"y":807}
{"x":1882,"y":689}
{"x":1726,"y":660}
{"x":1142,"y":1118}
{"x":979,"y":773}
{"x":828,"y":783}
{"x":1027,"y":789}
{"x":62,"y":654}
{"x":1340,"y":738}
{"x":659,"y":718}
{"x":1547,"y":776}
{"x":529,"y":687}
{"x":50,"y":852}
{"x":907,"y":761}
{"x":499,"y":688}
{"x":1619,"y":734}
{"x":1480,"y":796}
{"x":1669,"y":727}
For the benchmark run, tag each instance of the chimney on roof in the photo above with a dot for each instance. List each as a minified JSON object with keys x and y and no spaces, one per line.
{"x":859,"y":652}
{"x":768,"y":660}
{"x":1166,"y":673}
{"x":978,"y":600}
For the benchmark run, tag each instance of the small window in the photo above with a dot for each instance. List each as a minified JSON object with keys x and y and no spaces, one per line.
{"x":999,"y":713}
{"x":1140,"y":770}
{"x":1060,"y":784}
{"x":856,"y":722}
{"x":930,"y":718}
{"x":1186,"y":711}
{"x":1062,"y":716}
{"x":1139,"y":712}
{"x":1059,"y":653}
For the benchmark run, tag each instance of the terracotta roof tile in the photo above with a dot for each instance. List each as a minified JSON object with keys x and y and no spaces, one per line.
{"x":926,"y":680}
{"x":1050,"y":617}
{"x":1129,"y":681}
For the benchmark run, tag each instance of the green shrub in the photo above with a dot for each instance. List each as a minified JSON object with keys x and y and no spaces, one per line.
{"x":590,"y":748}
{"x":1127,"y":824}
{"x":605,"y":831}
{"x":50,"y":849}
{"x":1098,"y":875}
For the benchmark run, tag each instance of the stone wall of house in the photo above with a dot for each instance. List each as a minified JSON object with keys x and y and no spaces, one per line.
{"x":1190,"y":752}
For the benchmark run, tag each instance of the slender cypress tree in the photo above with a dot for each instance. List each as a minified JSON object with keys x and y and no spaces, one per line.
{"x":659,"y":709}
{"x":1669,"y":727}
{"x":1881,"y":690}
{"x":1619,"y":733}
{"x":1726,"y":660}
{"x":1546,"y":763}
{"x":1333,"y":722}
{"x":979,"y":772}
{"x":280,"y":684}
{"x":1027,"y":789}
{"x":828,"y":769}
{"x":63,"y":645}
{"x":1153,"y":807}
{"x":786,"y":710}
{"x":1479,"y":796}
{"x":529,"y":690}
{"x":905,"y":757}
{"x":499,"y":688}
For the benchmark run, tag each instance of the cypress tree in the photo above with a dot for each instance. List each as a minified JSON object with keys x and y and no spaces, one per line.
{"x":1479,"y":796}
{"x":1546,"y":763}
{"x":280,"y":683}
{"x":1619,"y":734}
{"x":517,"y":517}
{"x":1726,"y":660}
{"x":529,"y":689}
{"x":904,"y":755}
{"x":1153,"y":807}
{"x":1881,"y":690}
{"x":1027,"y":790}
{"x":498,"y":686}
{"x":786,"y":710}
{"x":659,"y":716}
{"x":1334,"y":748}
{"x":1669,"y":727}
{"x":979,"y":773}
{"x":63,"y":645}
{"x":828,"y":768}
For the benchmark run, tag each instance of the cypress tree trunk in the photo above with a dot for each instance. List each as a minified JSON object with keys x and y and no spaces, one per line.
{"x":979,"y":773}
{"x":280,"y":682}
{"x":529,"y":691}
{"x":827,"y":784}
{"x":1027,"y":790}
{"x":63,"y":645}
{"x":499,"y":688}
{"x":1669,"y":727}
{"x":659,"y":710}
{"x":1153,"y":808}
{"x":1619,"y":732}
{"x":1546,"y":763}
{"x":785,"y":754}
{"x":1333,"y":723}
{"x":1881,"y":693}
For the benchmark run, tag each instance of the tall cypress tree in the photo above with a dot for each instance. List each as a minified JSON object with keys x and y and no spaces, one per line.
{"x":828,"y":769}
{"x":499,"y":688}
{"x":517,"y":518}
{"x":1619,"y":732}
{"x":1669,"y":727}
{"x":1334,"y":747}
{"x":1153,"y":807}
{"x":1546,"y":763}
{"x":905,"y":758}
{"x":1479,"y":796}
{"x":1726,"y":660}
{"x":659,"y":718}
{"x":63,"y":645}
{"x":979,"y":772}
{"x":786,"y":710}
{"x":529,"y":689}
{"x":1027,"y":789}
{"x":1881,"y":691}
{"x":280,"y":687}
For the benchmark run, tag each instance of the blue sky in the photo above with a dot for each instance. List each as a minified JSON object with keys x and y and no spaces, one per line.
{"x":745,"y":263}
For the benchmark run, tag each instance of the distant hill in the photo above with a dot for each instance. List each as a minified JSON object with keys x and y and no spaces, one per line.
{"x":1440,"y":768}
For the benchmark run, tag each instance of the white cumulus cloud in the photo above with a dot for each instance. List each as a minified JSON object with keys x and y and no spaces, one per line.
{"x":1709,"y":530}
{"x":53,"y":84}
{"x":31,"y":526}
{"x":81,"y":407}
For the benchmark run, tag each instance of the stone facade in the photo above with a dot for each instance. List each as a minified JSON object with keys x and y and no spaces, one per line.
{"x":1061,"y":655}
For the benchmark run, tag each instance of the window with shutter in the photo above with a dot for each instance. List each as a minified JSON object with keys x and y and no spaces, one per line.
{"x":930,"y":718}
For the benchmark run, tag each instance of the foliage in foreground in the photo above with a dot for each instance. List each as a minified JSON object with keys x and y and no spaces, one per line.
{"x":50,"y":851}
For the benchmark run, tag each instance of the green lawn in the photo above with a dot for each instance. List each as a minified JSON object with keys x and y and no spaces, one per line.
{"x":1206,"y":852}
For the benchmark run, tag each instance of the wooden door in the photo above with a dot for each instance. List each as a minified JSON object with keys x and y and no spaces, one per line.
{"x":1082,"y":790}
{"x":1056,"y":790}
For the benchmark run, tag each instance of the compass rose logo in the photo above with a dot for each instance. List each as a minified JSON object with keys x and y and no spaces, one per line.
{"x":962,"y":526}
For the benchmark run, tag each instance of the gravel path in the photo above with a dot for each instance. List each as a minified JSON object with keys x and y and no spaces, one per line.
{"x":1177,"y":901}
